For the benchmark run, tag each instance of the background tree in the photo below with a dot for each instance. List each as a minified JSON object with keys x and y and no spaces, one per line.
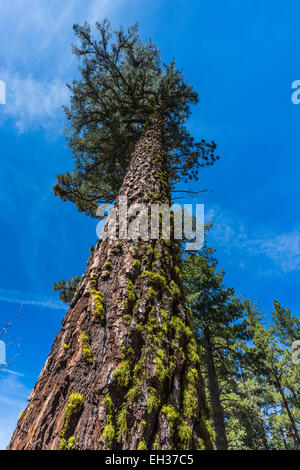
{"x":278,"y":374}
{"x":217,"y":316}
{"x":264,"y":410}
{"x":252,"y":380}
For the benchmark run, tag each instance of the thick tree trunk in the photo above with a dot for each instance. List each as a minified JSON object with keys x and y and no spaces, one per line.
{"x":123,"y":372}
{"x":214,"y":391}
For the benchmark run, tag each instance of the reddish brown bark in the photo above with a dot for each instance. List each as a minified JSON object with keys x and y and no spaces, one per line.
{"x":156,"y":399}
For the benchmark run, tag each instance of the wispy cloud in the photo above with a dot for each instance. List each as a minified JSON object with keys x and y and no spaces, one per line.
{"x":238,"y":239}
{"x":12,"y":372}
{"x":32,"y":103}
{"x":283,"y":249}
{"x":26,"y":298}
{"x":36,"y":59}
{"x":35,"y":31}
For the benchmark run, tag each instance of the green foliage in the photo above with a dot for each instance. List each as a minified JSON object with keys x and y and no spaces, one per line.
{"x":122,"y":81}
{"x":67,"y":289}
{"x":257,"y":381}
{"x":286,"y":326}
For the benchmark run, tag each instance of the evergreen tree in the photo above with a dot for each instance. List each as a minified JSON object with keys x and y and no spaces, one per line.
{"x":242,"y":399}
{"x":252,"y":381}
{"x":67,"y":289}
{"x":124,"y":371}
{"x":217,"y":315}
{"x":278,"y":376}
{"x":121,"y":83}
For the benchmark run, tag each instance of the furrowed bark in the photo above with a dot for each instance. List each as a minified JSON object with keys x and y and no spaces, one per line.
{"x":123,"y":372}
{"x":214,"y":391}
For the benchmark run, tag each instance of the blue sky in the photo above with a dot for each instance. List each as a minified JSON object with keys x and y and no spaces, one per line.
{"x":242,"y":58}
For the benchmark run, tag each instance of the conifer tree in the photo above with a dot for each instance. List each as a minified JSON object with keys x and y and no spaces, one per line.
{"x":261,"y":412}
{"x":278,"y":374}
{"x":124,"y":371}
{"x":67,"y":289}
{"x":121,"y":84}
{"x":248,"y":365}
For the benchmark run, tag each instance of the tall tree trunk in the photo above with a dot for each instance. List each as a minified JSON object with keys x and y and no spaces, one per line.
{"x":214,"y":391}
{"x":124,"y":371}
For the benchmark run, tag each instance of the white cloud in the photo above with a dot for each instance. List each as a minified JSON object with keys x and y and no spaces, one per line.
{"x":240,"y":241}
{"x":283,"y":249}
{"x":36,"y":59}
{"x":26,"y":298}
{"x":13,"y":372}
{"x":32,"y":103}
{"x":36,"y":30}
